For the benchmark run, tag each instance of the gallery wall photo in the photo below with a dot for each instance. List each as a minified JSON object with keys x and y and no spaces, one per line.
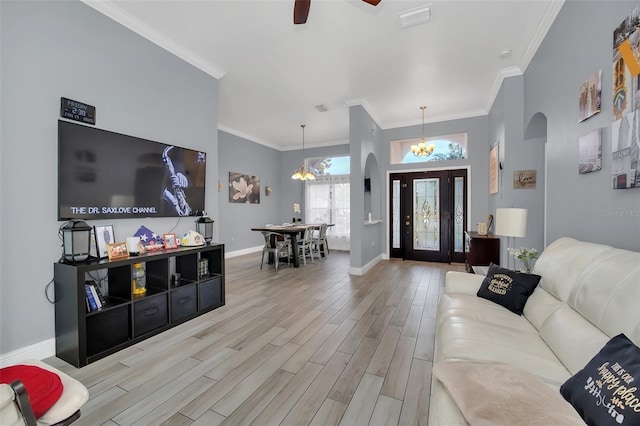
{"x":625,"y":143}
{"x":244,"y":188}
{"x":590,"y":100}
{"x":590,"y":152}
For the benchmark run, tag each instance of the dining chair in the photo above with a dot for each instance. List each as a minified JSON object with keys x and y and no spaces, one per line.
{"x":319,"y":241}
{"x":276,"y":244}
{"x":305,"y":246}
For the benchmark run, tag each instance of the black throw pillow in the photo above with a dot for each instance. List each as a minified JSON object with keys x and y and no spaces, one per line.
{"x":508,"y":288}
{"x":605,"y":392}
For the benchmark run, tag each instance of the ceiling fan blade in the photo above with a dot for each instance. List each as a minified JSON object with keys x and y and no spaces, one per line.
{"x":301,"y":11}
{"x":372,"y":2}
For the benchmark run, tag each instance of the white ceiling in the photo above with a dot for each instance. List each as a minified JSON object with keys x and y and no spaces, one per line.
{"x":272,"y":73}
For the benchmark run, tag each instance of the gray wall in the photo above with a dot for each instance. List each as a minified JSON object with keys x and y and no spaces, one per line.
{"x":67,"y":49}
{"x":582,"y":206}
{"x":365,"y":143}
{"x":274,"y":167}
{"x":242,"y":156}
{"x":506,"y":129}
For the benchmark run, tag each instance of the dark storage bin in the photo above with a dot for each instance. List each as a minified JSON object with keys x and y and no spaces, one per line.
{"x":183,"y":302}
{"x":107,"y":329}
{"x":150,"y":314}
{"x":210,"y":294}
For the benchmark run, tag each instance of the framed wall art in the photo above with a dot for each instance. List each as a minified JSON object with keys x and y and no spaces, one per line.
{"x":494,"y":162}
{"x":625,"y":144}
{"x":590,"y":99}
{"x":524,"y":179}
{"x":590,"y":152}
{"x":244,"y":188}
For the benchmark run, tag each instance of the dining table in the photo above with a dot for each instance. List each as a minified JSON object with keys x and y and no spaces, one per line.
{"x":293,"y":231}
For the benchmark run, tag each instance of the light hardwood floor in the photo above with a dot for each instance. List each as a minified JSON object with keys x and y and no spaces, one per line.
{"x":309,"y":345}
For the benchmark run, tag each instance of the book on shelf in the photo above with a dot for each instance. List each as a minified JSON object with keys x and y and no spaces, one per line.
{"x":93,"y":306}
{"x":101,"y":297}
{"x":94,"y":293}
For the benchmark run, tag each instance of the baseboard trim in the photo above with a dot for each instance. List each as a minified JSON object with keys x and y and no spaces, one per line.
{"x":40,"y":350}
{"x":363,"y":270}
{"x":230,"y":254}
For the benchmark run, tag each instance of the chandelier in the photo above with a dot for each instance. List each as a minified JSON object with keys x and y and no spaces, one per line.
{"x":422,"y":149}
{"x":302,"y":173}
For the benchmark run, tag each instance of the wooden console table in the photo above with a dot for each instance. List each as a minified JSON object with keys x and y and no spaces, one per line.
{"x":481,"y":250}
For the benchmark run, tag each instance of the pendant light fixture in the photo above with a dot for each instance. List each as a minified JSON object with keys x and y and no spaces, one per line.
{"x":422,"y":150}
{"x":302,"y":173}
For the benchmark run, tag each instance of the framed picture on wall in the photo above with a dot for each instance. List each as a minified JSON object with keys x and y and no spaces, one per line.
{"x":590,"y":152}
{"x":524,"y":179}
{"x":244,"y":188}
{"x":590,"y":99}
{"x":493,"y":169}
{"x":625,"y":143}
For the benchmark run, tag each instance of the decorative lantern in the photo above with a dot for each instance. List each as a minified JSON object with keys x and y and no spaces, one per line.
{"x":76,"y":241}
{"x":204,"y":226}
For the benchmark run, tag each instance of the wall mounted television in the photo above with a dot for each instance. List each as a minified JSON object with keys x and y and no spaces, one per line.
{"x":107,"y":175}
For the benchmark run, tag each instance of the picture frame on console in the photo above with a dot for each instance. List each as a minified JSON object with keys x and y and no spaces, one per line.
{"x":170,"y":241}
{"x":117,"y":250}
{"x":104,"y":234}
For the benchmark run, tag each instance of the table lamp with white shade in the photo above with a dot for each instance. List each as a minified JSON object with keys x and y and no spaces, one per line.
{"x":511,"y":222}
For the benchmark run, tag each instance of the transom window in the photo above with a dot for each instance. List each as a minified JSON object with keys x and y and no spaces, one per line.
{"x":447,"y":147}
{"x":325,"y":166}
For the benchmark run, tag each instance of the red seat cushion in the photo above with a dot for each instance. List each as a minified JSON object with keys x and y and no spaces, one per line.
{"x":43,"y":386}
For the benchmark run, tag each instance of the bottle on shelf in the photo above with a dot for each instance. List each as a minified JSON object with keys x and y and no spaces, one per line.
{"x":138,"y":282}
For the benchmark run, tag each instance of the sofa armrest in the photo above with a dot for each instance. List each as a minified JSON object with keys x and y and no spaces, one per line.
{"x":462,"y":282}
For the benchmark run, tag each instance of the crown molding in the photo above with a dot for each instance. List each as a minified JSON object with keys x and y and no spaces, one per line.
{"x":439,"y":119}
{"x":550,"y":15}
{"x":497,"y":83}
{"x":234,"y":132}
{"x":111,"y":10}
{"x":367,"y":107}
{"x":547,"y":21}
{"x":317,"y":145}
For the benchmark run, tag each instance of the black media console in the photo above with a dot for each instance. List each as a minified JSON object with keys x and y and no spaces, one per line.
{"x":83,"y":337}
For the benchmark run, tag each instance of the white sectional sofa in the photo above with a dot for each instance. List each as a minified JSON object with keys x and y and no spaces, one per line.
{"x":588,"y":293}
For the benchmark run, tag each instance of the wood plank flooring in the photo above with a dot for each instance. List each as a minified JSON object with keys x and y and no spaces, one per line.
{"x":310,"y":345}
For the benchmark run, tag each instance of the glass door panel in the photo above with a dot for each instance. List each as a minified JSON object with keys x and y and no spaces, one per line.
{"x":395,"y":214}
{"x":458,"y":222}
{"x":426,"y":226}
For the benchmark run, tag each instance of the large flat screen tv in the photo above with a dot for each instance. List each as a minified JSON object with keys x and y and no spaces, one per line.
{"x":107,"y":175}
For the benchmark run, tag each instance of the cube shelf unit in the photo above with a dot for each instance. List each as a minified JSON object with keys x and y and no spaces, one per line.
{"x":83,"y":337}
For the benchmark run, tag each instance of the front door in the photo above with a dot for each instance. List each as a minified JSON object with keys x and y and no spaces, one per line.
{"x":428,"y":215}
